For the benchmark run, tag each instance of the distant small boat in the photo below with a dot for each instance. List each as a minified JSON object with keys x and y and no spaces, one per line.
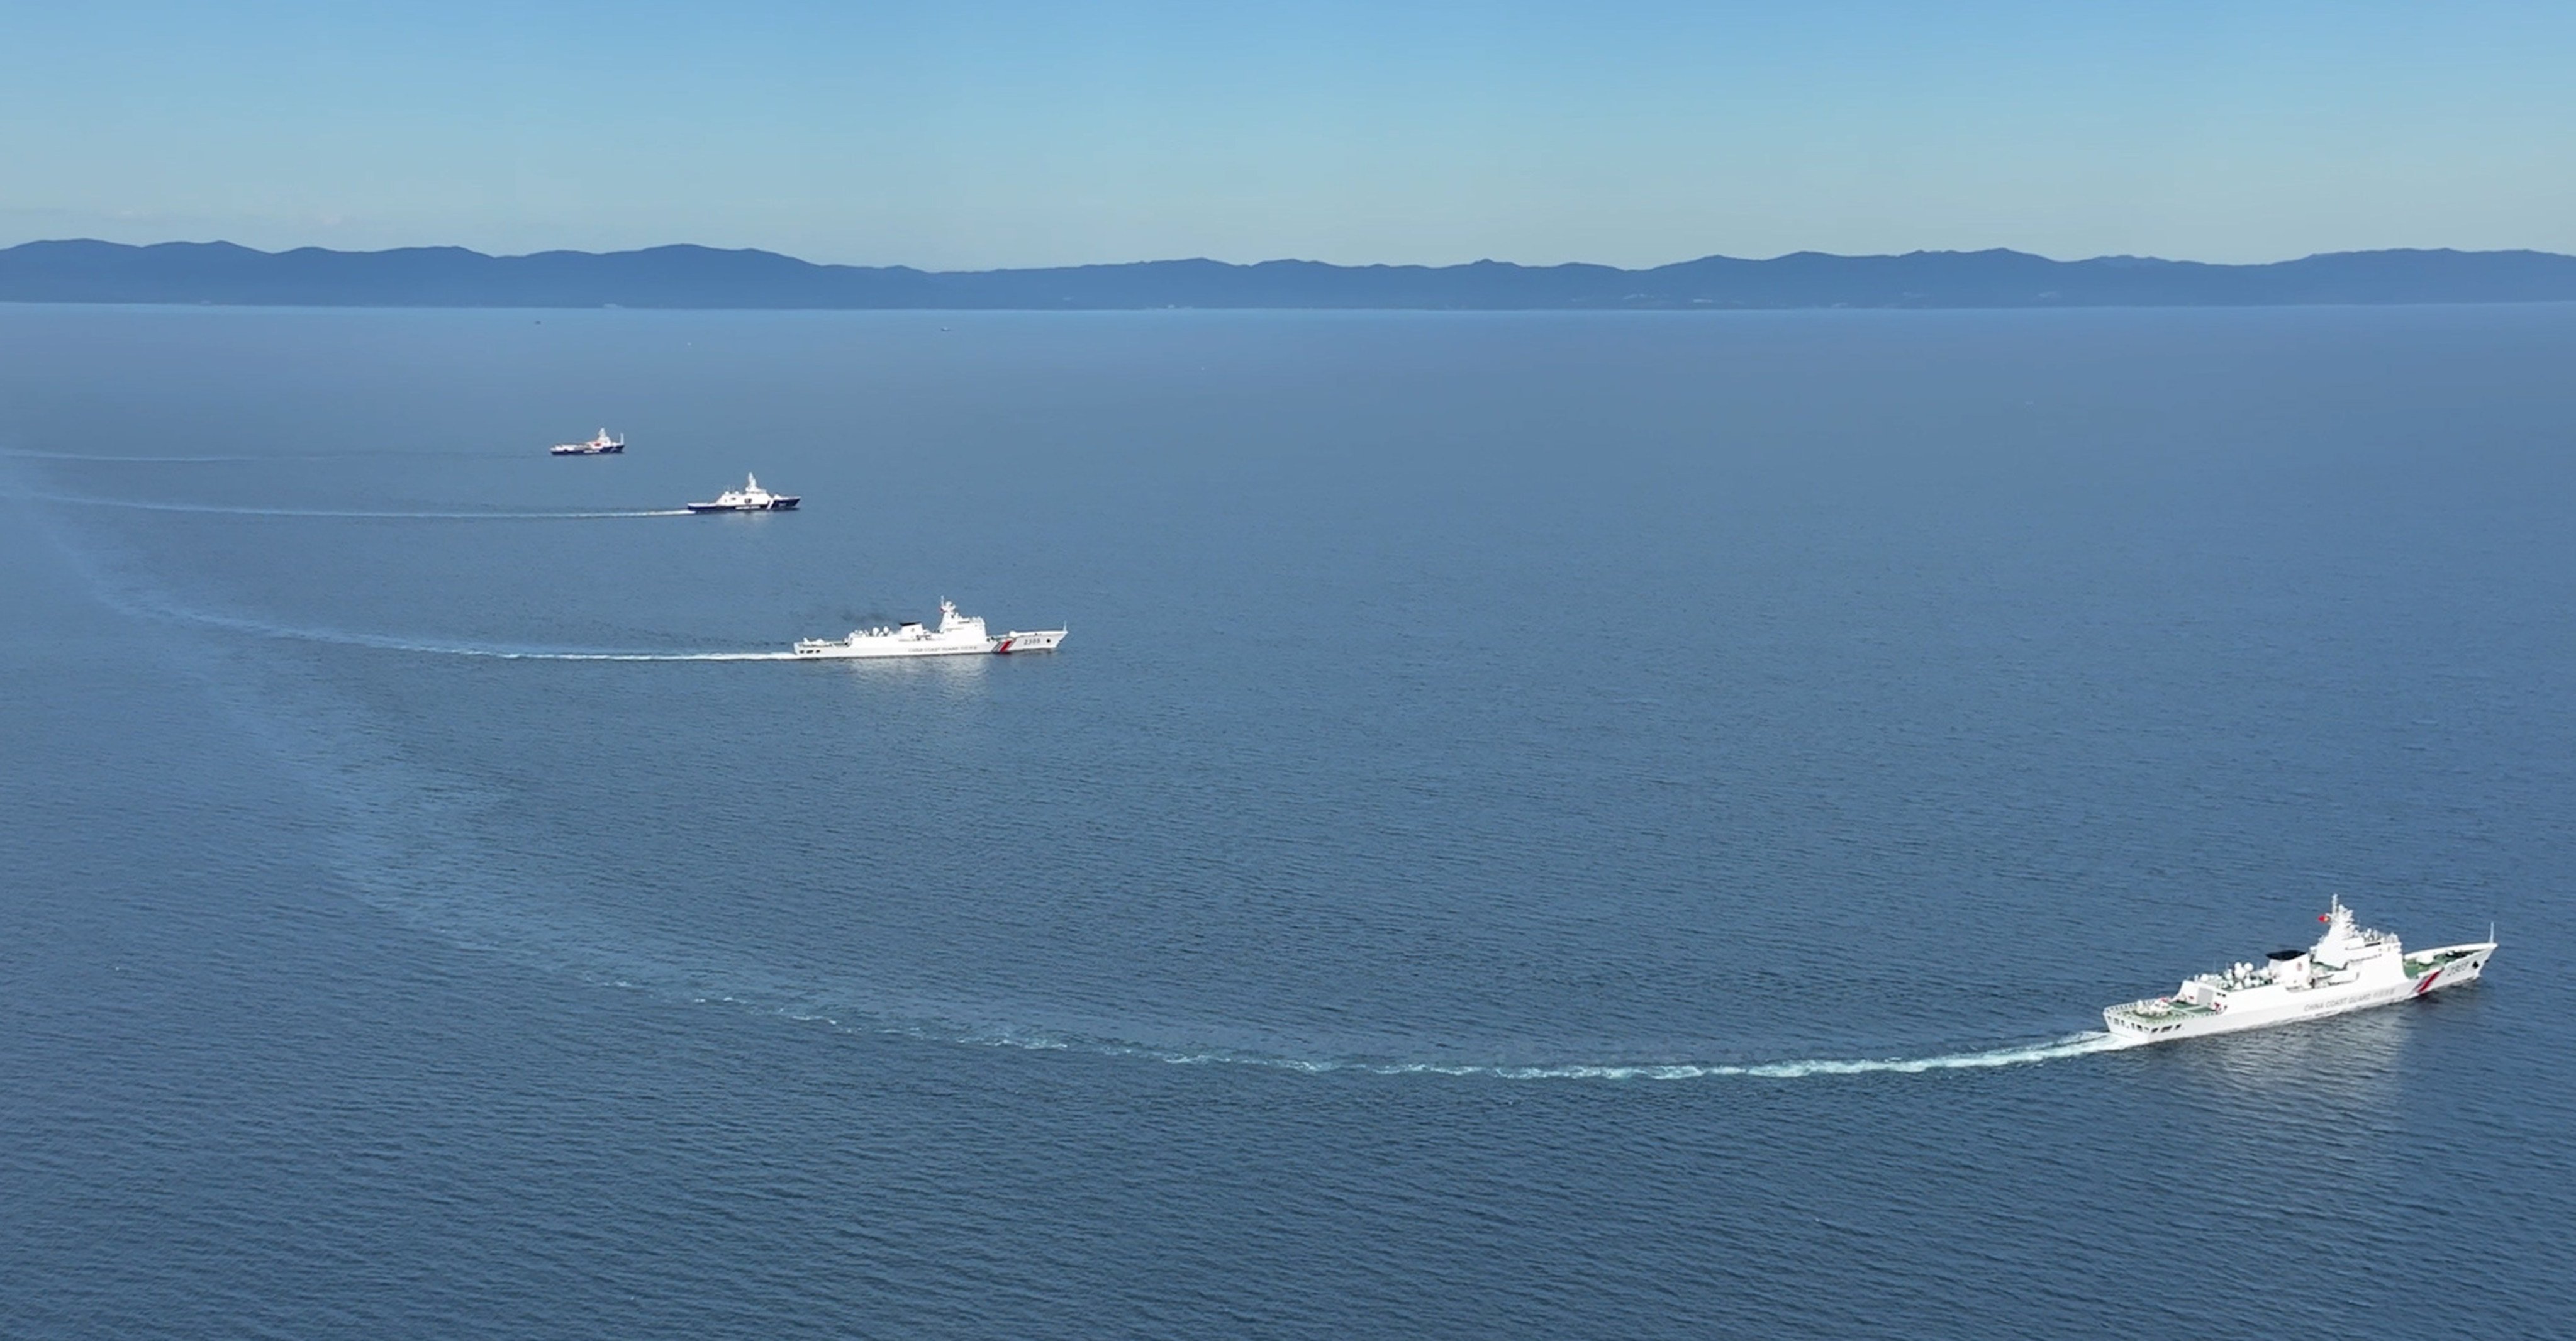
{"x":603,"y":445}
{"x":749,"y":498}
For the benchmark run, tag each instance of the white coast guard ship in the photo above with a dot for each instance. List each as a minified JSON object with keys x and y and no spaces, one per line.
{"x":602,"y":445}
{"x":749,"y":498}
{"x":2348,"y":968}
{"x":957,"y":635}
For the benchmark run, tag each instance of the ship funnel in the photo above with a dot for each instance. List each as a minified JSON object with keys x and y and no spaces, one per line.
{"x":2289,"y":967}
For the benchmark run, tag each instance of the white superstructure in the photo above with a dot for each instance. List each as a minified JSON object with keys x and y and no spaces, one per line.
{"x":2349,"y":968}
{"x":749,"y":498}
{"x":602,"y":445}
{"x":957,"y":635}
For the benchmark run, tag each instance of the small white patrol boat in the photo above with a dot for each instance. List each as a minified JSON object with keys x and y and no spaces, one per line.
{"x":749,"y":498}
{"x":2349,"y":968}
{"x":957,"y":635}
{"x":602,"y":445}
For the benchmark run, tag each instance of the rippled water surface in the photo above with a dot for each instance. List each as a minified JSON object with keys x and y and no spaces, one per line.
{"x":1606,"y":826}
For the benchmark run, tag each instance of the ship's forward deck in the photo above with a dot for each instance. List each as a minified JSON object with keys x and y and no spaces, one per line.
{"x":2157,"y":1015}
{"x":2417,"y":965}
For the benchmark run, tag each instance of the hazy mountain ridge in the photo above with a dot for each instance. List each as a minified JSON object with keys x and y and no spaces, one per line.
{"x":684,"y":276}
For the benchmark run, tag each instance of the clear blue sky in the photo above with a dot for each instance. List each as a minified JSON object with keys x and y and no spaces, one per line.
{"x":971,"y":134}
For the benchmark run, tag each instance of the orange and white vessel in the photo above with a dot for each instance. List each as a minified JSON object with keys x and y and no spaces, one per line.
{"x":599,"y":445}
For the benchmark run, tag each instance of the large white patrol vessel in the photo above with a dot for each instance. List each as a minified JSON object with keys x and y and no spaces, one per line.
{"x":749,"y":498}
{"x":2348,"y":968}
{"x":957,"y":635}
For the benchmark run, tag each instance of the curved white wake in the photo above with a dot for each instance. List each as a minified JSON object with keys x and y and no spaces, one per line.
{"x":194,"y":459}
{"x":2074,"y":1045}
{"x":336,"y":514}
{"x":390,"y":643}
{"x":2017,"y":1054}
{"x":135,"y":604}
{"x":442,"y":889}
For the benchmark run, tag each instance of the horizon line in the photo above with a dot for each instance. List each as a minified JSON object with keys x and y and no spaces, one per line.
{"x":1283,"y":260}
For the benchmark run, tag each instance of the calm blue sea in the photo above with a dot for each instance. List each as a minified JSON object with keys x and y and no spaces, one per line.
{"x":1545,"y":825}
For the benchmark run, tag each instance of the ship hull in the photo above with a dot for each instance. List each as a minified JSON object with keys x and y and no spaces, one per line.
{"x":2163,"y":1021}
{"x":843,"y":652}
{"x":776,"y":505}
{"x":883,"y":649}
{"x":1044,"y":640}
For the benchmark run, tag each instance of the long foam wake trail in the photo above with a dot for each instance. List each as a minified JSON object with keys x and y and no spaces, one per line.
{"x":390,"y":643}
{"x":130,"y":598}
{"x":199,"y":459}
{"x":222,"y":510}
{"x":2017,"y":1054}
{"x":247,"y":458}
{"x":2074,"y":1045}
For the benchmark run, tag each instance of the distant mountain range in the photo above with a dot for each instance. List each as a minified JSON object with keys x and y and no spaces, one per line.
{"x":703,"y":277}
